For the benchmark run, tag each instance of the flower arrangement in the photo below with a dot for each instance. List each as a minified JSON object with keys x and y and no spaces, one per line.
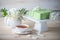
{"x":13,"y":17}
{"x":13,"y":12}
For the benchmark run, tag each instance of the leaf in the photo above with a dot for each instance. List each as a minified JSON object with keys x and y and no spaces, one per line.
{"x":4,"y":10}
{"x":23,"y":11}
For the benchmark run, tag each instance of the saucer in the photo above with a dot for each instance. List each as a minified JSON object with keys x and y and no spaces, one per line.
{"x":20,"y":30}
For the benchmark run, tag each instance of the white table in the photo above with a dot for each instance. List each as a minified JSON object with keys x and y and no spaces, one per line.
{"x":52,"y":34}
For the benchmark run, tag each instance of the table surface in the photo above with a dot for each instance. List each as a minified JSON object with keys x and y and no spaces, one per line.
{"x":52,"y":34}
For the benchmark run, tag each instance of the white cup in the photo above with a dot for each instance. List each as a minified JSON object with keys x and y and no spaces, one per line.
{"x":19,"y":30}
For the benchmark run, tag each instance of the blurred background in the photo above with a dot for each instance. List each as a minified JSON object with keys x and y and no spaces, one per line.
{"x":29,"y":4}
{"x":54,"y":24}
{"x":49,"y":4}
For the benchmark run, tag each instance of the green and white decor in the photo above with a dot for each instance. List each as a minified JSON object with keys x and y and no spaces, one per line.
{"x":13,"y":17}
{"x":41,"y":17}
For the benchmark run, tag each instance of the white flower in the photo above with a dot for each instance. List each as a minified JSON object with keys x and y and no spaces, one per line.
{"x":13,"y":12}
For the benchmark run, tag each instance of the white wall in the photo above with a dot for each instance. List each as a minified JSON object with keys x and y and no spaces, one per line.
{"x":29,"y":4}
{"x":52,"y":4}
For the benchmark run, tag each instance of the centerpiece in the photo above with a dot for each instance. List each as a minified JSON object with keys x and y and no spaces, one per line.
{"x":13,"y":17}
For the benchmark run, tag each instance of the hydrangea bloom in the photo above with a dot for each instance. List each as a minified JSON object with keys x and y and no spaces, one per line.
{"x":14,"y":13}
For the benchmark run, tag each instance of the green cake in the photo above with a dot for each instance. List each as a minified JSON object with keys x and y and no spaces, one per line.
{"x":40,"y":14}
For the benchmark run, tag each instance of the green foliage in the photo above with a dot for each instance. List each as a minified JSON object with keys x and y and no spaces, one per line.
{"x":23,"y":11}
{"x":4,"y":10}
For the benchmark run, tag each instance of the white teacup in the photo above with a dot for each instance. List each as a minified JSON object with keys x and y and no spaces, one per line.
{"x":22,"y":30}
